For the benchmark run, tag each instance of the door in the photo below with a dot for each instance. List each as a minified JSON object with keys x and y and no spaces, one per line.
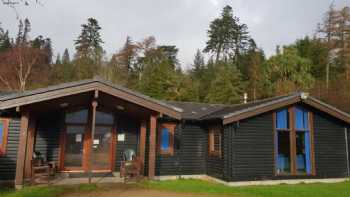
{"x":101,"y":148}
{"x":78,"y":145}
{"x":74,"y":147}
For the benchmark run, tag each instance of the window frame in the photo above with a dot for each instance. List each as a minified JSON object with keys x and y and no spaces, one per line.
{"x":293,"y":131}
{"x":211,"y":141}
{"x":171,"y":129}
{"x":4,"y":136}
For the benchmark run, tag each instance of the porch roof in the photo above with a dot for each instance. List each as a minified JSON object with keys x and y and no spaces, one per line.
{"x":11,"y":100}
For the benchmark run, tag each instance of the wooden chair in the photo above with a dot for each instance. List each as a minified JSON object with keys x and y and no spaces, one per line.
{"x":40,"y":169}
{"x":131,"y":166}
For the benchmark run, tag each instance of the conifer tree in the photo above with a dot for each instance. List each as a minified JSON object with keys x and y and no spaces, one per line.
{"x":65,"y":57}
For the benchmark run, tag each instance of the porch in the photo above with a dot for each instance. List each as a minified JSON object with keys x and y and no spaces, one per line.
{"x":86,"y":132}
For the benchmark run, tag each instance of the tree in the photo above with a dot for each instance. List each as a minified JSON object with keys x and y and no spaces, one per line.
{"x":89,"y":51}
{"x":65,"y":57}
{"x":227,"y":37}
{"x":286,"y":72}
{"x":22,"y":64}
{"x":198,"y":65}
{"x":5,"y":41}
{"x":227,"y":86}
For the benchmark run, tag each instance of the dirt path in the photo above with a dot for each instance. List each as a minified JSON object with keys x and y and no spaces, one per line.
{"x":132,"y":191}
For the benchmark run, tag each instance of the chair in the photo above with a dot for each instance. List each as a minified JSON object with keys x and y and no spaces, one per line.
{"x":40,"y":169}
{"x":131,"y":165}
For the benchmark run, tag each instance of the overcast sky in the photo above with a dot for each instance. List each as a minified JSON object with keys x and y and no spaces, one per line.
{"x":183,"y":23}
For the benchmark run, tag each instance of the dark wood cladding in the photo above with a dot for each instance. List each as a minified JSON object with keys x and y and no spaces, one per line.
{"x":249,"y":149}
{"x":252,"y":151}
{"x":330,"y":147}
{"x":47,"y":137}
{"x":8,"y":161}
{"x":190,"y":150}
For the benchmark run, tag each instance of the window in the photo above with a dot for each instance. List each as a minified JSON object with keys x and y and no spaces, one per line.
{"x":3,"y":135}
{"x":293,"y":142}
{"x":303,"y":141}
{"x":283,"y":142}
{"x":166,"y":139}
{"x":215,"y":141}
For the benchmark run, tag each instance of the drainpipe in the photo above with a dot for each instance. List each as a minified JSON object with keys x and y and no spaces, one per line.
{"x":347,"y":150}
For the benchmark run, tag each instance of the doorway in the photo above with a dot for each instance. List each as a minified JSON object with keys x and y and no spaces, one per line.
{"x":78,"y":146}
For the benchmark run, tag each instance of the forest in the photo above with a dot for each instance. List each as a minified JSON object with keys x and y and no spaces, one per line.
{"x":318,"y":63}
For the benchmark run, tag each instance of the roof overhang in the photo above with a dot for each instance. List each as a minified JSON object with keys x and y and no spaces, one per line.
{"x":46,"y":94}
{"x":276,"y":104}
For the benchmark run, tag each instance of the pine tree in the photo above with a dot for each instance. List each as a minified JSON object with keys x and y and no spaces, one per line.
{"x":227,"y":37}
{"x":5,"y":41}
{"x":198,"y":65}
{"x":227,"y":86}
{"x":58,"y":59}
{"x":89,"y":51}
{"x":65,"y":57}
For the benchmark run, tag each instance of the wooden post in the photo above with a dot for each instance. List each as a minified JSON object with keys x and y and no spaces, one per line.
{"x":30,"y":146}
{"x":21,"y":153}
{"x":93,"y":121}
{"x":143,"y":130}
{"x":152,"y":147}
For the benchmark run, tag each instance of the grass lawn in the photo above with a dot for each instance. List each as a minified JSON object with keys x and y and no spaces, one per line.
{"x":300,"y":190}
{"x":189,"y":186}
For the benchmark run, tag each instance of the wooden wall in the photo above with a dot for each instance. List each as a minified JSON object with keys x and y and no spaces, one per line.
{"x":8,"y":161}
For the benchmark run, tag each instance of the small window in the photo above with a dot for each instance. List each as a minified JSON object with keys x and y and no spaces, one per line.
{"x":3,"y":136}
{"x":282,"y":120}
{"x":215,"y":141}
{"x":166,"y":139}
{"x":77,"y":117}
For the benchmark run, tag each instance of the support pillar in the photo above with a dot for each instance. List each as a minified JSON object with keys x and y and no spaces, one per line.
{"x":152,"y":147}
{"x":143,"y":130}
{"x":21,"y":152}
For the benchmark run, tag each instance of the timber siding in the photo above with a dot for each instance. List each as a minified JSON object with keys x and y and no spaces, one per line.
{"x":190,"y":159}
{"x":47,"y":140}
{"x":330,"y":147}
{"x":250,"y":149}
{"x":8,"y":161}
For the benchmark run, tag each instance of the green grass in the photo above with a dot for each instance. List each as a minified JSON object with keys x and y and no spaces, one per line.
{"x":44,"y":191}
{"x":300,"y":190}
{"x":194,"y":186}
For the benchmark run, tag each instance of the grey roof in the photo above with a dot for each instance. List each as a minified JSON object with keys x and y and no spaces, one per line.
{"x":5,"y":93}
{"x":79,"y":83}
{"x":187,"y":110}
{"x":205,"y":111}
{"x":195,"y":111}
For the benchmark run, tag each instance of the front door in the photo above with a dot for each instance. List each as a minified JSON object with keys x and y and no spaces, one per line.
{"x":101,"y":148}
{"x":78,"y":145}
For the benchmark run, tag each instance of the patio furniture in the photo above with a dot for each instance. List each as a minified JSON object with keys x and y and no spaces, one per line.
{"x":40,"y":169}
{"x":131,"y":166}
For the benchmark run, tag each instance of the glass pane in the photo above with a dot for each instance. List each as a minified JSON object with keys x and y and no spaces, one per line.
{"x":1,"y":131}
{"x":74,"y":146}
{"x":101,"y":148}
{"x":77,"y":117}
{"x":282,"y":119}
{"x":217,"y":141}
{"x":165,"y":139}
{"x":283,"y":152}
{"x":104,"y":118}
{"x":301,"y":118}
{"x":303,"y":152}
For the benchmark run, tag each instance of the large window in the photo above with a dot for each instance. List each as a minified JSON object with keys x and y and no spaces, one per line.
{"x":3,"y":135}
{"x":283,"y":142}
{"x":166,"y":139}
{"x":215,"y":141}
{"x":293,"y":142}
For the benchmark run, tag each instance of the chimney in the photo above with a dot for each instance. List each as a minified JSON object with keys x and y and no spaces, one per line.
{"x":245,"y":97}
